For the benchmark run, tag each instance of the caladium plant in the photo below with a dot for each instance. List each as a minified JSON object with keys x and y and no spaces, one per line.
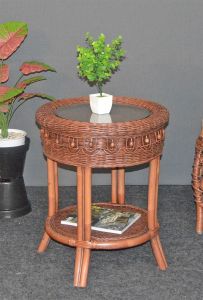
{"x":12,"y":35}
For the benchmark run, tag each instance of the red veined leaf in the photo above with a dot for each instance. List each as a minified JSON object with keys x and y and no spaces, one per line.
{"x":8,"y":93}
{"x":30,"y":67}
{"x":12,"y":34}
{"x":4,"y":73}
{"x":23,"y":84}
{"x":27,"y":96}
{"x":4,"y":108}
{"x":4,"y":89}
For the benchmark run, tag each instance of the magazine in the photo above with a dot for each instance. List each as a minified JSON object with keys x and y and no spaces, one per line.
{"x":106,"y":219}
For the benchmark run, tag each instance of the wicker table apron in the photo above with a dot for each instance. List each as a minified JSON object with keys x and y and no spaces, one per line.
{"x":115,"y":145}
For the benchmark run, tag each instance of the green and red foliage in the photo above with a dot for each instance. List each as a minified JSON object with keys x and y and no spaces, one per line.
{"x":12,"y":34}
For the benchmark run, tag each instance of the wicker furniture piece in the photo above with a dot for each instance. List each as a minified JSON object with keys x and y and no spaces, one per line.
{"x":135,"y":137}
{"x":197,"y":182}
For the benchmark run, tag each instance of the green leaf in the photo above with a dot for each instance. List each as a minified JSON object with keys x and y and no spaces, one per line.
{"x":98,"y":61}
{"x":23,"y":84}
{"x":4,"y":73}
{"x":4,"y":107}
{"x":7,"y":93}
{"x":30,"y":67}
{"x":12,"y":34}
{"x":27,"y":96}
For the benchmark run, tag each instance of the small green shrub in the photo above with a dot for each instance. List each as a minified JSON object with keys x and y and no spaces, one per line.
{"x":98,"y":61}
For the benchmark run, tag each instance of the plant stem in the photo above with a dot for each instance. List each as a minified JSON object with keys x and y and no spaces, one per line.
{"x":4,"y":132}
{"x":100,"y":89}
{"x":3,"y":125}
{"x":21,"y":76}
{"x":3,"y":116}
{"x":12,"y":111}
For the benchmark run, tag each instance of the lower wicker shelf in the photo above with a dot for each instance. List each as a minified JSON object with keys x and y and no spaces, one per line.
{"x":136,"y":234}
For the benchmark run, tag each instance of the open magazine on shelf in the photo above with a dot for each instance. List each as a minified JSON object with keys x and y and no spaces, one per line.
{"x":106,"y":219}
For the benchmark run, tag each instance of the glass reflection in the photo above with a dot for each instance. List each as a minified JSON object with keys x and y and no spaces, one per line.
{"x":105,"y":118}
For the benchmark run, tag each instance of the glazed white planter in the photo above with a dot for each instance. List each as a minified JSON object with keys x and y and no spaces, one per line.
{"x":16,"y":138}
{"x":101,"y":105}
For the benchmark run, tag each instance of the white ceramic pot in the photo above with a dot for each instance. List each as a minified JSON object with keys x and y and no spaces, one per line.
{"x":101,"y":105}
{"x":16,"y":137}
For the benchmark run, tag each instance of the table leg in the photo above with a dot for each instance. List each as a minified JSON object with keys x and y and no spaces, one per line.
{"x":199,"y":218}
{"x":121,"y":186}
{"x":114,"y":186}
{"x":52,"y":172}
{"x":118,"y":186}
{"x":152,"y":212}
{"x":56,"y":184}
{"x":82,"y":257}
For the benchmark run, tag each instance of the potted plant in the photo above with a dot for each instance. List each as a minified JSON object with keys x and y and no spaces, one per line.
{"x":13,"y":144}
{"x":96,"y":64}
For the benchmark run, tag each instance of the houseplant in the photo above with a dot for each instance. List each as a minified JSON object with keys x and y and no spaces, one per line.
{"x":96,"y":64}
{"x":13,"y":145}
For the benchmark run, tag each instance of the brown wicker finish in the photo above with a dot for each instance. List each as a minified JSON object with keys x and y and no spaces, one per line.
{"x":197,"y":182}
{"x":102,"y":145}
{"x":90,"y":145}
{"x":100,"y":240}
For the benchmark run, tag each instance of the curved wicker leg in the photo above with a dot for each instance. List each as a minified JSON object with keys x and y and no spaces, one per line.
{"x":53,"y":199}
{"x":158,"y":253}
{"x":118,"y":185}
{"x":152,"y":212}
{"x":82,"y":257}
{"x":43,"y":243}
{"x":82,"y":260}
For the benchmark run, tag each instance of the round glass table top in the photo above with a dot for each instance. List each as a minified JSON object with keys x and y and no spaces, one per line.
{"x":119,"y":113}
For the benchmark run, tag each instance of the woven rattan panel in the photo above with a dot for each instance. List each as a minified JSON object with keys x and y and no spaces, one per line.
{"x":68,"y":234}
{"x":197,"y":175}
{"x":102,"y":145}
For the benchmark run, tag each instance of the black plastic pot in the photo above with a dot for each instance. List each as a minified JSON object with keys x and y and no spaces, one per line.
{"x":13,"y":196}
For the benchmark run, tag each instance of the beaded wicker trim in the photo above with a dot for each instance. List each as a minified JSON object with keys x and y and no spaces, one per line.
{"x":102,"y":145}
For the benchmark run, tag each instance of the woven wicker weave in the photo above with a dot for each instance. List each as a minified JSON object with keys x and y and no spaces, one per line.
{"x":90,"y":145}
{"x":102,"y":145}
{"x":197,"y":182}
{"x":99,"y":240}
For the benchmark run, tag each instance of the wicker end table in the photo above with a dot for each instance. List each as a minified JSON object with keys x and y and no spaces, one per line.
{"x":133,"y":135}
{"x":197,"y":181}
